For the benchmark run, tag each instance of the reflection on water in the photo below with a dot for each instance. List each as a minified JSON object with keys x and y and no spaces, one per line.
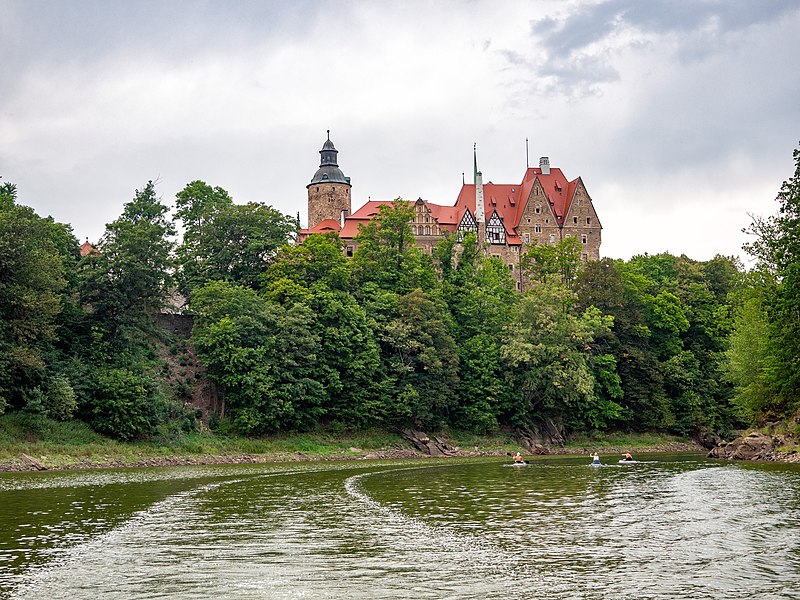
{"x":669,"y":527}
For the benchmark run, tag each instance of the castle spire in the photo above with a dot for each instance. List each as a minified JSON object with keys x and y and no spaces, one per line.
{"x":474,"y":163}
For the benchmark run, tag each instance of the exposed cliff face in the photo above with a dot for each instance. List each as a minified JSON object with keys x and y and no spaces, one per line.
{"x":759,"y":446}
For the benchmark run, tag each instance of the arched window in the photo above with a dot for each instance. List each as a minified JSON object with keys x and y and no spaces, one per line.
{"x":427,"y":229}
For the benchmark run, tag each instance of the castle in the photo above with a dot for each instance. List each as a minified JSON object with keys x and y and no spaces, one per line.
{"x":544,"y":208}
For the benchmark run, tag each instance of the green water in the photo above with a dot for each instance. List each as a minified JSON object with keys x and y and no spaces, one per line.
{"x":671,"y":526}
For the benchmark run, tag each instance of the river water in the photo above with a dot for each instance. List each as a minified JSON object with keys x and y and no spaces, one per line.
{"x":670,"y":526}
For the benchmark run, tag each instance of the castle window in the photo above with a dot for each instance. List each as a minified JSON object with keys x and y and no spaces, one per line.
{"x":537,"y":210}
{"x":552,"y":238}
{"x":538,"y":228}
{"x":588,"y":220}
{"x":510,"y":267}
{"x":527,"y":238}
{"x":414,"y":229}
{"x":350,"y":251}
{"x":584,"y":238}
{"x":427,"y":229}
{"x":575,"y":220}
{"x":584,"y":257}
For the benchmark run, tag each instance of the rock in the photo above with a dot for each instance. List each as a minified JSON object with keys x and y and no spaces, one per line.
{"x":709,"y":440}
{"x":754,"y":446}
{"x":32,"y":462}
{"x":433,"y":447}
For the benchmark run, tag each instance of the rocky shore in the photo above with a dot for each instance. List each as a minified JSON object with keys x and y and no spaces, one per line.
{"x":423,"y":448}
{"x":756,"y":445}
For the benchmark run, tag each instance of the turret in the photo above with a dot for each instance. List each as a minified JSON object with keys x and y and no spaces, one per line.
{"x":329,"y":190}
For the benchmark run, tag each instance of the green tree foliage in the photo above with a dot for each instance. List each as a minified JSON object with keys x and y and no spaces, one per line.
{"x":774,"y":389}
{"x":546,"y":350}
{"x":544,"y":262}
{"x":319,"y":259}
{"x":386,"y":254}
{"x":421,"y":360}
{"x":196,"y":207}
{"x":752,"y":355}
{"x":262,"y":355}
{"x":480,"y":296}
{"x":36,"y":257}
{"x":225,"y":241}
{"x":128,"y":280}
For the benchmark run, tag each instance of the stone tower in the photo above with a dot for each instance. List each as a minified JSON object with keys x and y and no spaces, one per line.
{"x":329,"y":190}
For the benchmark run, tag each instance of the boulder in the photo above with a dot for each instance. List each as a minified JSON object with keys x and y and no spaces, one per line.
{"x":754,"y":446}
{"x":32,"y":462}
{"x":435,"y":446}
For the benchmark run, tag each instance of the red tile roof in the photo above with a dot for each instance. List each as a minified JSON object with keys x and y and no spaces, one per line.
{"x":86,"y":248}
{"x":509,"y":200}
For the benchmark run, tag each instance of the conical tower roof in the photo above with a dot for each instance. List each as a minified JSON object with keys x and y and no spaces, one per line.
{"x":329,"y":171}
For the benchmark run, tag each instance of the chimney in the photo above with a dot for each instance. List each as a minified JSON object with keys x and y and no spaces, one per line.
{"x":544,"y":165}
{"x":345,"y":214}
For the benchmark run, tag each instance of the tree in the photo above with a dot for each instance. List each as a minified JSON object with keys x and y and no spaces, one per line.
{"x":236,"y":243}
{"x":128,"y":280}
{"x":262,"y":355}
{"x":542,"y":262}
{"x":421,"y":362}
{"x":776,"y":247}
{"x":319,"y":259}
{"x":196,"y":206}
{"x":386,"y":254}
{"x":546,"y":353}
{"x":36,"y":256}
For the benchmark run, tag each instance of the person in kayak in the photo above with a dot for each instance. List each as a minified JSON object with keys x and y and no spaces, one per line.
{"x":595,"y":459}
{"x":518,"y":458}
{"x":627,"y":456}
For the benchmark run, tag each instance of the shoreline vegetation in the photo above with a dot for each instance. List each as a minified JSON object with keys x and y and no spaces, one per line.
{"x":72,"y":445}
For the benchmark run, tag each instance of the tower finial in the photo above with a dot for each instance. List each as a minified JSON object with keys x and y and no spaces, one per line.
{"x":329,"y":134}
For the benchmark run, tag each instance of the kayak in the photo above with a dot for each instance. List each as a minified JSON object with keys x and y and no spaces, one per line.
{"x":519,"y":464}
{"x":595,"y":464}
{"x":627,"y":462}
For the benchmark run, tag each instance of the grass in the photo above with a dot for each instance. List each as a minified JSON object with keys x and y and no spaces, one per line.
{"x":75,"y":443}
{"x":622,"y":441}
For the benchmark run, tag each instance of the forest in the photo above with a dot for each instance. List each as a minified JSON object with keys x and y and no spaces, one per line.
{"x":297,"y":337}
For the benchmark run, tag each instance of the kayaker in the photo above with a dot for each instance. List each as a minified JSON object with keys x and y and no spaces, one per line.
{"x":595,"y":459}
{"x":518,"y":458}
{"x":627,"y":456}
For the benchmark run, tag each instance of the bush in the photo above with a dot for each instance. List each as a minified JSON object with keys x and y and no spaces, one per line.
{"x":123,"y":404}
{"x":59,"y":400}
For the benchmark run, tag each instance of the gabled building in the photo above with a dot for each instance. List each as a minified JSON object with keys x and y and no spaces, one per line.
{"x":544,"y":208}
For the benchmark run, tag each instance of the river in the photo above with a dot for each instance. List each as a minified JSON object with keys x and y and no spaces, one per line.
{"x":670,"y":526}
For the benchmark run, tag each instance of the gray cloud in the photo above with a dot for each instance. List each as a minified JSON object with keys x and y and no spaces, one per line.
{"x":681,"y":112}
{"x":699,"y":29}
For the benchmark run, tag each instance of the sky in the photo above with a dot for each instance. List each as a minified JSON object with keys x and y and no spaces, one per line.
{"x":680,"y":116}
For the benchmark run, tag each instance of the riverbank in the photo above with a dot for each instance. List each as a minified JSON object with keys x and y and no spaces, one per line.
{"x":52,"y":445}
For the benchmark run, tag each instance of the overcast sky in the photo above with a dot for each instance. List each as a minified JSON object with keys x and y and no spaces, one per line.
{"x":680,"y":116}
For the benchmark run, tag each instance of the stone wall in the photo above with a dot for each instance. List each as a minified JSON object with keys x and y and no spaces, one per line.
{"x":327,"y":201}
